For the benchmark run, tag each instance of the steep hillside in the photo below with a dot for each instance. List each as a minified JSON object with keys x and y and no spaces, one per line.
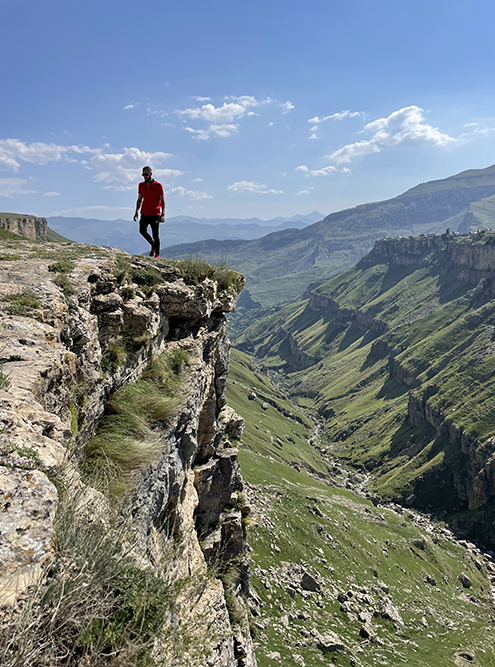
{"x":281,"y":265}
{"x":341,"y":577}
{"x":397,"y":355}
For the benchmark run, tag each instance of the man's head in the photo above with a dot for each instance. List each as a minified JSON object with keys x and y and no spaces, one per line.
{"x":147,"y":173}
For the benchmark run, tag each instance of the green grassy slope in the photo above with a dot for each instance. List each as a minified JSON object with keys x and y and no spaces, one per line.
{"x":346,"y":543}
{"x":438,"y":346}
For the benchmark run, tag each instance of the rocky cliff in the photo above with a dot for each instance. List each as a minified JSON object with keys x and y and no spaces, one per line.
{"x":29,"y":226}
{"x":78,"y":324}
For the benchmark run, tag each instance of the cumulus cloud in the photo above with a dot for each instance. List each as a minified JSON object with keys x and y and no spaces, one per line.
{"x":303,"y":192}
{"x":250,"y":186}
{"x":320,"y":172}
{"x":188,"y":194}
{"x":121,"y":171}
{"x":51,"y":194}
{"x":199,"y":98}
{"x":9,"y":187}
{"x":197,"y":180}
{"x":224,"y":119}
{"x":13,"y":150}
{"x":128,"y":106}
{"x":403,"y":127}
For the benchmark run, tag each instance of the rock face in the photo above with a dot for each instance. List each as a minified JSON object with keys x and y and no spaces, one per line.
{"x":54,"y":395}
{"x":28,"y":226}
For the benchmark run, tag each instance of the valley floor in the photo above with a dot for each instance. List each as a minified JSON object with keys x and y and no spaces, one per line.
{"x":341,"y":579}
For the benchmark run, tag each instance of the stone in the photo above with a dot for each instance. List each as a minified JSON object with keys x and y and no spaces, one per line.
{"x":274,"y":655}
{"x":330,"y":642}
{"x":390,"y":613}
{"x":367,"y":632}
{"x":465,"y":580}
{"x":309,"y":583}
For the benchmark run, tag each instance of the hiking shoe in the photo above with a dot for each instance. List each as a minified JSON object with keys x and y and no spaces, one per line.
{"x":157,"y":256}
{"x":152,"y":251}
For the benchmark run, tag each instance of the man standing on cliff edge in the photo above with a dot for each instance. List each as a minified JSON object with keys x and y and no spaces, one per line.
{"x":151,"y":201}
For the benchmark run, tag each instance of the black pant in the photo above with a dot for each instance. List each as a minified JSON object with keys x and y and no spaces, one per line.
{"x":154,"y":222}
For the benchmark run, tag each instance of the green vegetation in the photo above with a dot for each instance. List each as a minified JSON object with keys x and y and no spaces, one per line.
{"x":10,"y":236}
{"x":344,"y":541}
{"x":5,"y":380}
{"x":126,"y":440}
{"x":21,"y":303}
{"x":92,"y":605}
{"x":433,"y":342}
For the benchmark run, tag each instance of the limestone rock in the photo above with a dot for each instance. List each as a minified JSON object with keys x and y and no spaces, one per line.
{"x":330,"y":642}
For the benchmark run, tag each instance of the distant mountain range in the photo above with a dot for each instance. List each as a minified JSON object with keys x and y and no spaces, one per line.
{"x":281,"y":265}
{"x":124,"y":234}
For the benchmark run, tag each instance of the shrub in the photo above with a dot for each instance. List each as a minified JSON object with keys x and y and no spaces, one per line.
{"x":194,"y":270}
{"x":122,"y":268}
{"x":114,"y":357}
{"x":62,"y":266}
{"x":64,"y":283}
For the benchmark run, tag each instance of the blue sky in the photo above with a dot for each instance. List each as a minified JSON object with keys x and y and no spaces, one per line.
{"x":260,"y":108}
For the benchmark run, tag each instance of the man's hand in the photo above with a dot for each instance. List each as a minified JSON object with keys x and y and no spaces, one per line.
{"x":135,"y":217}
{"x":162,"y":217}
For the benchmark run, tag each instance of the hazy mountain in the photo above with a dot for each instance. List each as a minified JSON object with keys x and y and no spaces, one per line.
{"x":124,"y":234}
{"x":280,"y":265}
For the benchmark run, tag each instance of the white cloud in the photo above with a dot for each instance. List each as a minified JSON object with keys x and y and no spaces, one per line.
{"x":197,"y":180}
{"x":122,"y":171}
{"x":271,"y":124}
{"x":223,"y":119}
{"x":250,"y":186}
{"x":323,"y":172}
{"x":303,"y":192}
{"x":302,"y":167}
{"x":224,"y":130}
{"x":51,"y":194}
{"x":336,"y":116}
{"x":314,"y":136}
{"x":228,"y":112}
{"x":201,"y":99}
{"x":188,"y":194}
{"x":13,"y":150}
{"x":198,"y":134}
{"x":9,"y":187}
{"x":128,"y":106}
{"x":403,"y":127}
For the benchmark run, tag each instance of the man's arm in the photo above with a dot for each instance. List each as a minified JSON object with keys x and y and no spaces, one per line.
{"x":162,"y":199}
{"x":138,"y":206}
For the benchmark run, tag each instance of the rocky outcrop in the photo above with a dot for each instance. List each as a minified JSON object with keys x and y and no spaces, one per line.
{"x":29,"y":226}
{"x":61,"y":360}
{"x":361,"y":319}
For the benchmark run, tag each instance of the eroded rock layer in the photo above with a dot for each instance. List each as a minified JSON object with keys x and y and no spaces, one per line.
{"x":65,"y":349}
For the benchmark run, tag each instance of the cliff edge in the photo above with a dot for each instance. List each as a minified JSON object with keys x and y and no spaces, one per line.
{"x":160,"y":499}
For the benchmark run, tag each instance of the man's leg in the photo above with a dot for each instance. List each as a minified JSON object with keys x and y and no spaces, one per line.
{"x":143,"y":229}
{"x":155,"y":228}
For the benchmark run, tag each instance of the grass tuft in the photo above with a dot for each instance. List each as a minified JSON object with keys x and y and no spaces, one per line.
{"x":125,"y":441}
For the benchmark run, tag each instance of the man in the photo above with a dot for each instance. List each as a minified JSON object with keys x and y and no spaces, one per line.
{"x":151,"y":201}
